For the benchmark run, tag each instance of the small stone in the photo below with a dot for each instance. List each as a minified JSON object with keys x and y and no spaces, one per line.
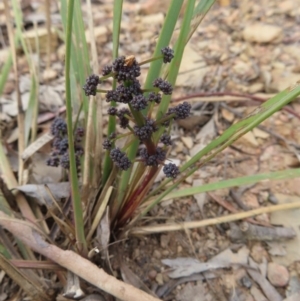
{"x":159,"y":279}
{"x":246,"y":282}
{"x":278,"y":275}
{"x":49,"y":74}
{"x":157,"y":254}
{"x":9,"y":87}
{"x":188,"y":142}
{"x":262,"y":33}
{"x":258,"y":253}
{"x":152,"y":274}
{"x":165,"y":252}
{"x":164,"y":241}
{"x":100,"y":34}
{"x":179,"y":249}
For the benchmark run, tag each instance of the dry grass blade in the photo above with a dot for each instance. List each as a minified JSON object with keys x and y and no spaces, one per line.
{"x":73,"y":262}
{"x":211,"y":221}
{"x":100,"y":212}
{"x":33,"y":264}
{"x":98,"y":127}
{"x":21,"y":118}
{"x":32,"y":289}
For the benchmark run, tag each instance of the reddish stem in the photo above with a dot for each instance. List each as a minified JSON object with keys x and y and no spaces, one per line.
{"x":135,"y":199}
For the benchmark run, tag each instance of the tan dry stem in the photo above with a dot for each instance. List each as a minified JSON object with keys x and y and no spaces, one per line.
{"x":21,"y":138}
{"x":73,"y":262}
{"x":211,"y":221}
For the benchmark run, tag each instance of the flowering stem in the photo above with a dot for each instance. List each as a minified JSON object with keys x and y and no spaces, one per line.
{"x":135,"y":199}
{"x":151,"y":60}
{"x":164,"y":119}
{"x":102,"y":91}
{"x":78,"y":215}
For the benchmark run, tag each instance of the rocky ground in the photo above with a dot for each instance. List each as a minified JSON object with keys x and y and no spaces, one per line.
{"x":242,"y":48}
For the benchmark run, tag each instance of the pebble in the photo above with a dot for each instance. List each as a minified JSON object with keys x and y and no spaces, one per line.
{"x":164,"y":241}
{"x":278,"y":275}
{"x":157,"y":254}
{"x":262,"y":33}
{"x":159,"y":279}
{"x":246,"y":282}
{"x":49,"y":74}
{"x":152,"y":274}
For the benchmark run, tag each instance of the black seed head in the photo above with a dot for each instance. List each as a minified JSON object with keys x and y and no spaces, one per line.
{"x":166,"y":139}
{"x":112,"y":111}
{"x":153,"y":160}
{"x":123,"y":120}
{"x":107,"y":144}
{"x":156,"y":97}
{"x":139,"y":102}
{"x":181,"y":111}
{"x":63,"y":146}
{"x":65,"y":161}
{"x":58,"y":127}
{"x":53,"y":161}
{"x":125,"y":70}
{"x":112,"y":136}
{"x":78,"y":150}
{"x":163,"y":85}
{"x":120,"y":159}
{"x":111,"y":96}
{"x":80,"y":131}
{"x":145,"y":131}
{"x":106,"y":70}
{"x":90,"y":87}
{"x":168,"y":54}
{"x":171,"y":170}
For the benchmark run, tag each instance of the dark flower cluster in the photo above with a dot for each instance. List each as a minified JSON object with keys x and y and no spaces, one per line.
{"x":60,"y":154}
{"x":153,"y":160}
{"x":90,"y":87}
{"x":156,"y":97}
{"x":144,"y":132}
{"x":181,"y":111}
{"x":129,"y":91}
{"x":171,"y":170}
{"x":168,"y":54}
{"x":166,"y":139}
{"x":126,"y":69}
{"x":120,"y":158}
{"x":163,"y":85}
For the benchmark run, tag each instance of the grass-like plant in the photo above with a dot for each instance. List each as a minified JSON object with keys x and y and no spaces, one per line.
{"x":112,"y":179}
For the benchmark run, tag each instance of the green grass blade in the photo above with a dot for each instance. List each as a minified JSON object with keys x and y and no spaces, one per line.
{"x":229,"y":136}
{"x":248,"y":123}
{"x":31,"y":110}
{"x":178,"y":53}
{"x":163,"y":40}
{"x":199,"y":13}
{"x":247,"y":180}
{"x":5,"y":72}
{"x":80,"y":67}
{"x":117,"y":17}
{"x":153,"y":73}
{"x":77,"y":207}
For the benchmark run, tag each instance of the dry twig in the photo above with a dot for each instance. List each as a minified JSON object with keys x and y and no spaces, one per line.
{"x":73,"y":262}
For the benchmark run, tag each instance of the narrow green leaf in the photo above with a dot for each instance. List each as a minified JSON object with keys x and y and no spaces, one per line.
{"x":247,"y":180}
{"x":153,"y":73}
{"x":117,"y":17}
{"x":178,"y":53}
{"x":77,"y":207}
{"x":228,"y":137}
{"x":5,"y":72}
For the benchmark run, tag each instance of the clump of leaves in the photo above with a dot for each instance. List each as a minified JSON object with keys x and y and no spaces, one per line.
{"x":152,"y":132}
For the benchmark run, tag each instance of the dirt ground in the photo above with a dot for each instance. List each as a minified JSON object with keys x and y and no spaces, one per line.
{"x":241,"y":50}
